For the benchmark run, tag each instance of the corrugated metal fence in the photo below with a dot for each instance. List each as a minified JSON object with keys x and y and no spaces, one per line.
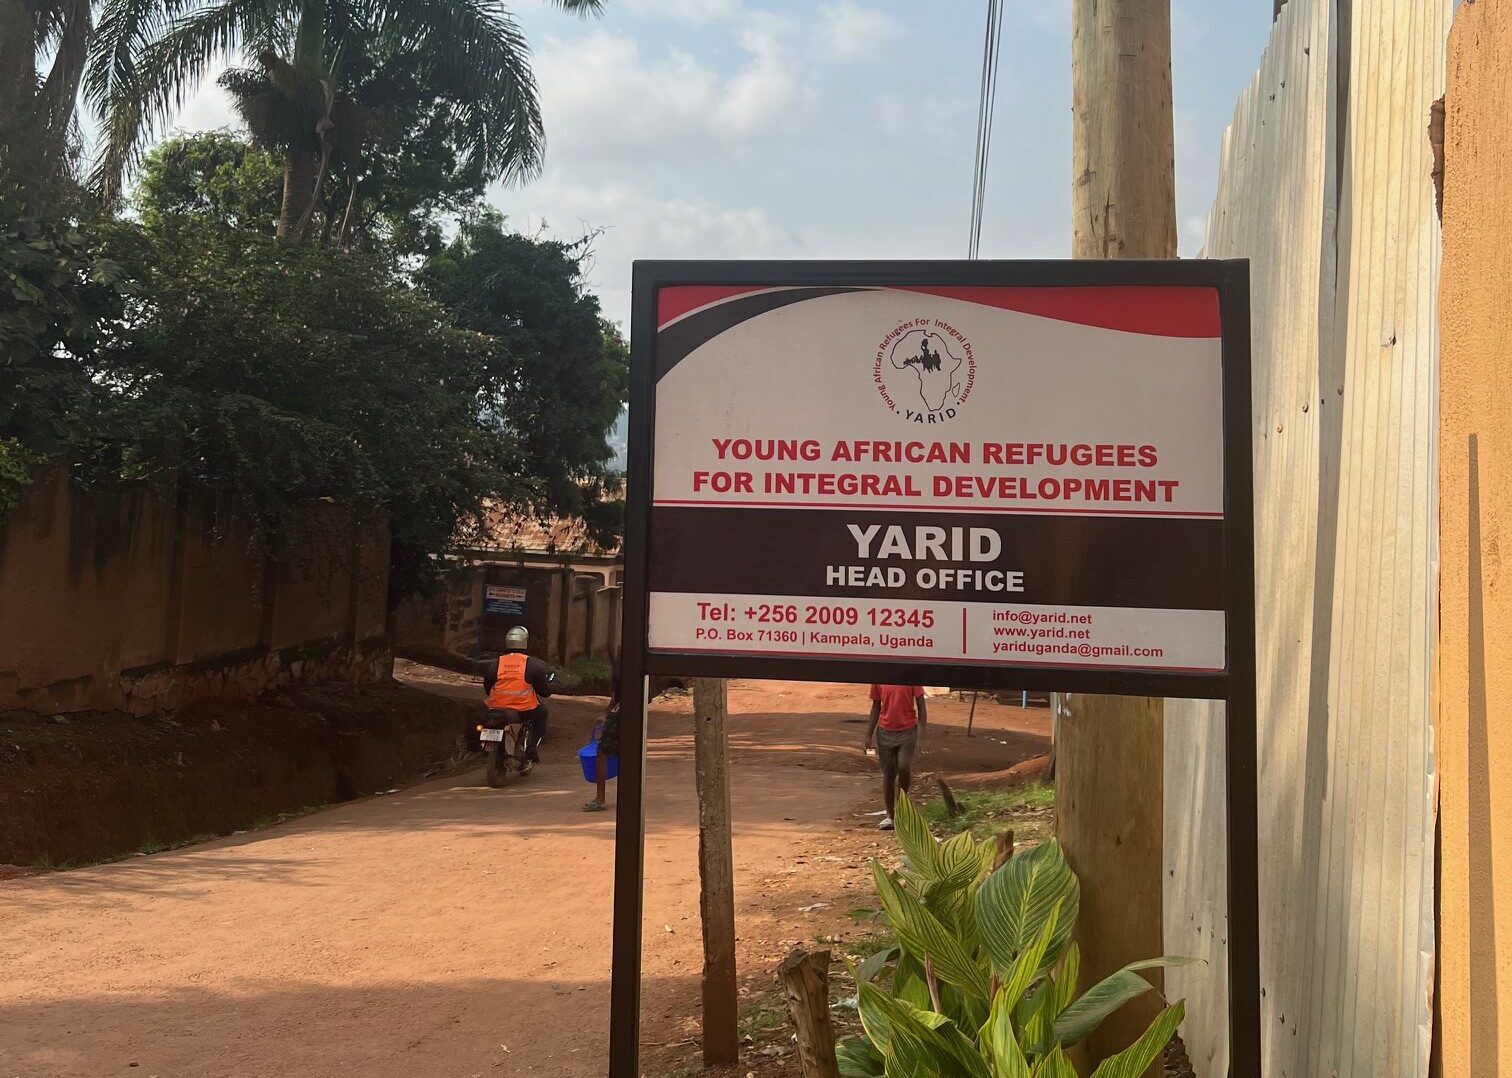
{"x":1325,"y":187}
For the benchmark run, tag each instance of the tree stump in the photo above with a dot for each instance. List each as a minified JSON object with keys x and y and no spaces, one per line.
{"x":1003,"y":850}
{"x":805,"y":983}
{"x":952,"y":806}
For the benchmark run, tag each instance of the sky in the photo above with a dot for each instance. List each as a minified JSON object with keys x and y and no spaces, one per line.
{"x":830,"y":129}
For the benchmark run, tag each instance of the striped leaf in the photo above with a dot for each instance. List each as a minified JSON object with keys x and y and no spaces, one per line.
{"x":908,"y":983}
{"x":858,"y":1059}
{"x":919,"y":847}
{"x":1038,"y":1018}
{"x":945,"y":1048}
{"x":922,"y":935}
{"x":874,"y":964}
{"x":910,"y":1059}
{"x":960,"y":1053}
{"x":878,"y":1012}
{"x":1077,"y":1021}
{"x":916,"y":1042}
{"x":1027,"y":965}
{"x":1054,"y":1065}
{"x":999,"y":1043}
{"x":1015,"y":901}
{"x":959,"y":860}
{"x":1134,"y":1060}
{"x":1068,"y":977}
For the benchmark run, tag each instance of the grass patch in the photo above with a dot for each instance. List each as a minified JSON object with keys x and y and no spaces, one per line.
{"x":1029,"y":811}
{"x":45,"y":863}
{"x":585,"y":677}
{"x":262,"y":823}
{"x":762,"y":1015}
{"x":863,"y":948}
{"x":152,"y":846}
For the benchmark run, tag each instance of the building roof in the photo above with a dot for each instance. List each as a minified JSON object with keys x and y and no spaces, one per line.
{"x":524,"y":534}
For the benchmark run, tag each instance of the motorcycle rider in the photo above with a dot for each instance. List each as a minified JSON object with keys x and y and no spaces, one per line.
{"x":520,"y":682}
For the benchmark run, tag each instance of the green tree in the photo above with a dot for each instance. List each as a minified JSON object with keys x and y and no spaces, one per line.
{"x":410,"y":184}
{"x":213,"y":175}
{"x":561,"y":366}
{"x":279,"y":373}
{"x":43,"y":47}
{"x":57,"y":301}
{"x":471,"y":60}
{"x":411,"y":174}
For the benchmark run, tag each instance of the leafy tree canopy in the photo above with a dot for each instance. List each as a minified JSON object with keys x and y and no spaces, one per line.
{"x":561,"y":367}
{"x":57,"y":298}
{"x":282,"y":373}
{"x":469,"y":59}
{"x":221,"y":359}
{"x":408,"y":187}
{"x":214,"y":175}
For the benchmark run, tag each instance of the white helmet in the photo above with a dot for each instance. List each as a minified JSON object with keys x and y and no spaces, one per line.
{"x":517,"y":639}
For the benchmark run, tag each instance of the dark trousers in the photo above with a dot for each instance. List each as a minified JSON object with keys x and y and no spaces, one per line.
{"x":534,"y":722}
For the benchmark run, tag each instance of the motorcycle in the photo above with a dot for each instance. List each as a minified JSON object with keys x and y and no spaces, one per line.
{"x":502,"y":738}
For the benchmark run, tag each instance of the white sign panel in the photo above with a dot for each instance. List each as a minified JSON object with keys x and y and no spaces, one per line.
{"x":968,"y":475}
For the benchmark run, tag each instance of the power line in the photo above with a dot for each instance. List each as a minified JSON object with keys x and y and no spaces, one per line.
{"x":991,"y":49}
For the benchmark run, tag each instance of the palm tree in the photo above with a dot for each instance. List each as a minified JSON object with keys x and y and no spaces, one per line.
{"x":149,"y":55}
{"x":37,"y":109}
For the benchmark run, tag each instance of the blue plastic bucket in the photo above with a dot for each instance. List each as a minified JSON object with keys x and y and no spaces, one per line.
{"x":588,"y":757}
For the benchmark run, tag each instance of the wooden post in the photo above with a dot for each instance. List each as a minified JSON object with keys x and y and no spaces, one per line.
{"x":805,"y":982}
{"x":1109,"y":759}
{"x":716,"y":872}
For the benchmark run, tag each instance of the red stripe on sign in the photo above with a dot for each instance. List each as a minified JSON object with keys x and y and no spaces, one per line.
{"x":1175,"y":311}
{"x":907,"y":507}
{"x":675,"y":301}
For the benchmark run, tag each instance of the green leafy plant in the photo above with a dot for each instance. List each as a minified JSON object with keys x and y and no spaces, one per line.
{"x":983,"y":977}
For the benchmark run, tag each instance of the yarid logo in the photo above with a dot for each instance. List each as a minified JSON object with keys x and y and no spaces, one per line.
{"x":924,"y":370}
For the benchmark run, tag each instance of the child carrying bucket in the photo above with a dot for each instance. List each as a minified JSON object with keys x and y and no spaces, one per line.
{"x":600,"y":757}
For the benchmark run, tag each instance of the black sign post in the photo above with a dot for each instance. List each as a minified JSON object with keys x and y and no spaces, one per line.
{"x":1034,"y":474}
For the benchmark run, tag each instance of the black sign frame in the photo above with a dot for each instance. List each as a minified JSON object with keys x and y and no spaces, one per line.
{"x":1235,"y":685}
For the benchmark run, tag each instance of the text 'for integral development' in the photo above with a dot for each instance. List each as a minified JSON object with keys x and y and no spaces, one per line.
{"x":1141,"y":486}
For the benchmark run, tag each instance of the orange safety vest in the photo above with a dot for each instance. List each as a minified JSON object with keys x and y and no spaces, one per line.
{"x":510,"y":689}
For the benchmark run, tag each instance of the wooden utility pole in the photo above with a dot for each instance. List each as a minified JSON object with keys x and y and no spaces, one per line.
{"x":716,"y":872}
{"x":1110,"y":759}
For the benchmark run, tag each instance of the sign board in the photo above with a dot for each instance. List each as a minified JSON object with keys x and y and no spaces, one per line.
{"x":982,"y":474}
{"x":998,"y":475}
{"x":504,"y":599}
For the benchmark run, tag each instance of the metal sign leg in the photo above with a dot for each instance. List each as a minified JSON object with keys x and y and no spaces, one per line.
{"x":629,"y":864}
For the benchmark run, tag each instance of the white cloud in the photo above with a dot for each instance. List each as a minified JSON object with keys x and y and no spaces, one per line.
{"x":761,"y":91}
{"x":906,"y":115}
{"x":694,"y":11}
{"x":852,"y":30}
{"x":601,"y":96}
{"x":638,"y":223}
{"x":208,"y":109}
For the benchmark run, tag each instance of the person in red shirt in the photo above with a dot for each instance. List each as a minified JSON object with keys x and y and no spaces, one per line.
{"x":897,"y":722}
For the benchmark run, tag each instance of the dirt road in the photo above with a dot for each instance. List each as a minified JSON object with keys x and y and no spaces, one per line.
{"x":444,"y":930}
